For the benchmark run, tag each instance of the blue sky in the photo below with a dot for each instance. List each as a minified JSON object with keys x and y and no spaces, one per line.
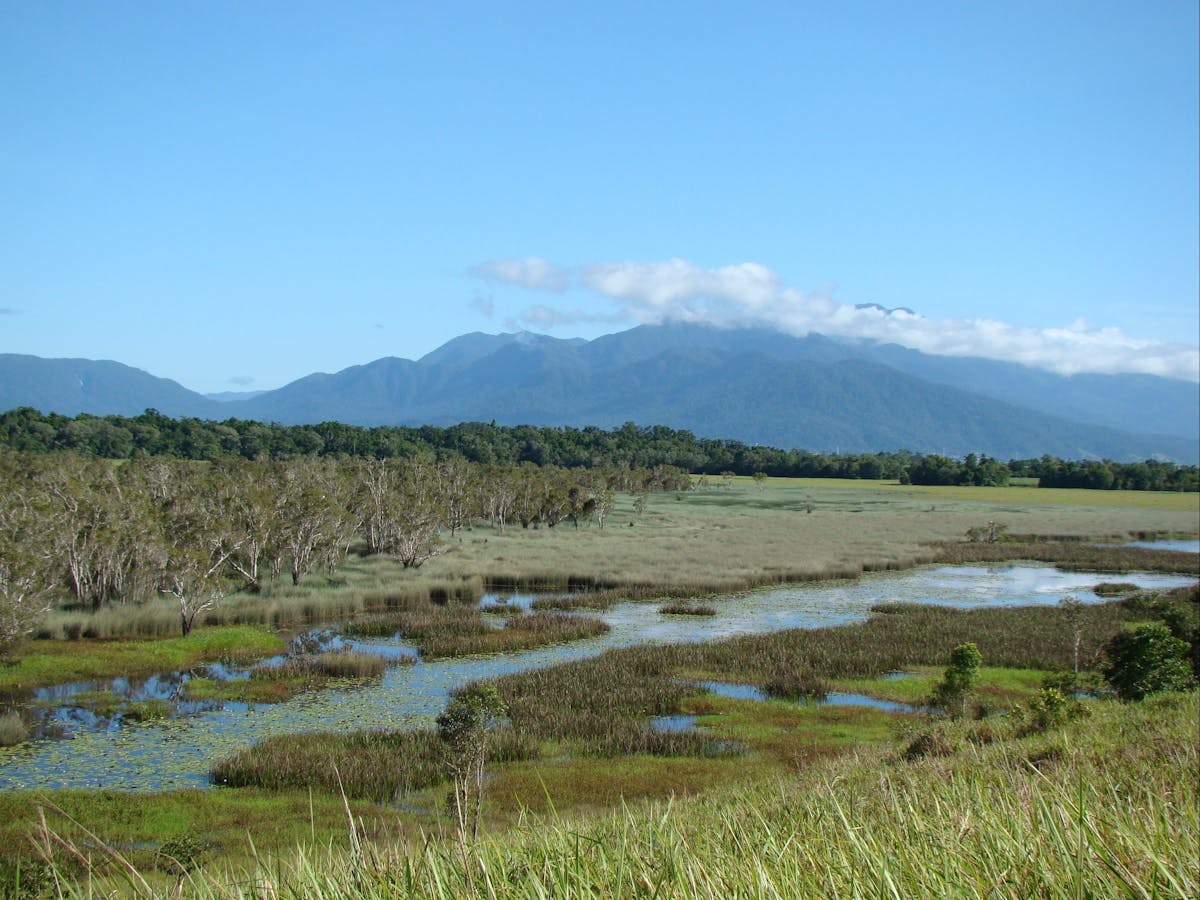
{"x":234,"y":195}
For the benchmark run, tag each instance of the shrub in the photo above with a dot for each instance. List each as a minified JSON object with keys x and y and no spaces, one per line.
{"x":959,"y":681}
{"x":1146,"y":660}
{"x":182,"y":854}
{"x":1049,"y":708}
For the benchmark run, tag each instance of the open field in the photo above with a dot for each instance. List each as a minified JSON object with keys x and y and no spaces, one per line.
{"x":728,"y":539}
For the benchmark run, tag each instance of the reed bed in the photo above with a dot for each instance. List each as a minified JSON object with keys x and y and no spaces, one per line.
{"x":380,"y":766}
{"x":686,"y":609}
{"x":455,"y":630}
{"x":1073,"y":555}
{"x":600,"y":703}
{"x":364,"y":590}
{"x":343,"y":664}
{"x":371,"y":588}
{"x":13,"y":729}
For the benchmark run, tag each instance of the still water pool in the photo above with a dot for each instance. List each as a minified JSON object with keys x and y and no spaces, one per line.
{"x":178,"y":752}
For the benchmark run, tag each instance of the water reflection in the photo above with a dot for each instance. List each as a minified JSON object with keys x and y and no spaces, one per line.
{"x":178,"y":752}
{"x":833,"y":698}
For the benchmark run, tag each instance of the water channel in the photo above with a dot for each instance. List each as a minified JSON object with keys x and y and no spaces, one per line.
{"x":178,"y":752}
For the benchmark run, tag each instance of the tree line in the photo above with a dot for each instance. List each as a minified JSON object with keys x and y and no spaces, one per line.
{"x":154,"y":434}
{"x":90,"y":532}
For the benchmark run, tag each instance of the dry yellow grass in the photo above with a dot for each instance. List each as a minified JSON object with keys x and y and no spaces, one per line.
{"x":757,"y":534}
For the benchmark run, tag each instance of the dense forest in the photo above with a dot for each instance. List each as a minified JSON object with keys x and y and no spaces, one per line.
{"x":153,"y":434}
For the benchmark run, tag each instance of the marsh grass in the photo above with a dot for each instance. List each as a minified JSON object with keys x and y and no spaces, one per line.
{"x":147,"y":710}
{"x":599,"y":706}
{"x":456,"y":630}
{"x":13,"y":729}
{"x":686,"y":609}
{"x":380,"y":766}
{"x":343,"y":664}
{"x":139,"y":828}
{"x":1114,"y":589}
{"x":360,"y":587}
{"x":279,"y":683}
{"x":1081,"y":810}
{"x":1073,"y":555}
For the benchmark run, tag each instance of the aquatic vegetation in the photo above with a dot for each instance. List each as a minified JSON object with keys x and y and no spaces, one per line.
{"x":686,"y":609}
{"x":456,"y":630}
{"x":147,"y":710}
{"x":1114,"y":589}
{"x":13,"y":729}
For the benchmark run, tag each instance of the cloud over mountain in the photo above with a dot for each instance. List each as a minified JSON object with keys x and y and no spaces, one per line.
{"x":533,"y":273}
{"x":752,"y":295}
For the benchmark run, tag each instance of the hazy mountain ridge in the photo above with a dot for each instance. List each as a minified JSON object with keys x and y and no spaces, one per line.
{"x":752,"y":385}
{"x":98,"y":387}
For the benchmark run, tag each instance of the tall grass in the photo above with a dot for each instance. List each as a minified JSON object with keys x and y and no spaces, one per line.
{"x":1082,"y":811}
{"x":362,"y":588}
{"x":452,"y":630}
{"x":1073,"y":555}
{"x":381,"y":766}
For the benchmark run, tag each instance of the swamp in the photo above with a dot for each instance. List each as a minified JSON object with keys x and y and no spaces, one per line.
{"x":706,"y":646}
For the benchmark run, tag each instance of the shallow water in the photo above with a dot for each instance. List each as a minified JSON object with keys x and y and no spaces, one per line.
{"x":1183,"y":546}
{"x":833,"y":698}
{"x":178,"y":752}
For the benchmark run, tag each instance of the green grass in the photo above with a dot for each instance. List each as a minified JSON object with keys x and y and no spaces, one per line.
{"x":57,"y":662}
{"x":1102,"y":807}
{"x":228,"y":819}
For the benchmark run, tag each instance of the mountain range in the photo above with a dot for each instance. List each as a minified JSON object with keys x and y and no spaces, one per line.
{"x":752,"y":385}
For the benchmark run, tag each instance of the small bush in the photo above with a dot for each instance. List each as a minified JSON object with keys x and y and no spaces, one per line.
{"x":956,"y":685}
{"x":934,"y":741}
{"x":795,"y":685}
{"x":182,"y":854}
{"x":13,"y":730}
{"x":1049,"y":708}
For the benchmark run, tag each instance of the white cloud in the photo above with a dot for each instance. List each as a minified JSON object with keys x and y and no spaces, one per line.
{"x":533,"y":273}
{"x":750,"y":294}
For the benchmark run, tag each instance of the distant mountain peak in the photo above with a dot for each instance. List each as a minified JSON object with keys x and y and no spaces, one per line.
{"x":753,"y":385}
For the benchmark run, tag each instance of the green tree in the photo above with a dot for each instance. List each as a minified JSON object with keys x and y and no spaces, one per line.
{"x":463,"y":728}
{"x":956,"y":686}
{"x":1146,"y":660}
